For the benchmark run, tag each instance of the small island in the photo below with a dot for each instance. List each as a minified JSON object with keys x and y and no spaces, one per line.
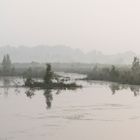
{"x":51,"y":81}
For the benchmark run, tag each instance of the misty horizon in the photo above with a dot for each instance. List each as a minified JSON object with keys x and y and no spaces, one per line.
{"x":111,"y":26}
{"x":64,"y":54}
{"x":67,"y":46}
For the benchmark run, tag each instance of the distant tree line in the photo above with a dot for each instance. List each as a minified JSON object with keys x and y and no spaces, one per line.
{"x":7,"y":69}
{"x":129,"y":75}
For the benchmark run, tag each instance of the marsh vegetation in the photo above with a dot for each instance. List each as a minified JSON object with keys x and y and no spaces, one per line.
{"x":121,"y":74}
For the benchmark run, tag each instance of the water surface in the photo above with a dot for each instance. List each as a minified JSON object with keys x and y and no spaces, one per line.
{"x":98,"y":111}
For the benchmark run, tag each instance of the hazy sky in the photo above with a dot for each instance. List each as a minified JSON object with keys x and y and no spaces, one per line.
{"x":107,"y":25}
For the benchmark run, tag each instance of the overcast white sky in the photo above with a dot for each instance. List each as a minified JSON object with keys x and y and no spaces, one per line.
{"x":108,"y":25}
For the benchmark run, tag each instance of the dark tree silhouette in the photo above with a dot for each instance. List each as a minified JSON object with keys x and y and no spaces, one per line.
{"x":114,"y":73}
{"x":6,"y":65}
{"x":135,"y":64}
{"x":48,"y":74}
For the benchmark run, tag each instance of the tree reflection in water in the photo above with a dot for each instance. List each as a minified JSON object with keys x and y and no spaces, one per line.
{"x":6,"y":85}
{"x":114,"y":87}
{"x":58,"y":91}
{"x":47,"y":94}
{"x":49,"y":97}
{"x":30,"y":93}
{"x":135,"y":90}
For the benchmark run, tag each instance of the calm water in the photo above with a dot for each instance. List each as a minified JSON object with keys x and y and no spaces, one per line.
{"x":98,"y":111}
